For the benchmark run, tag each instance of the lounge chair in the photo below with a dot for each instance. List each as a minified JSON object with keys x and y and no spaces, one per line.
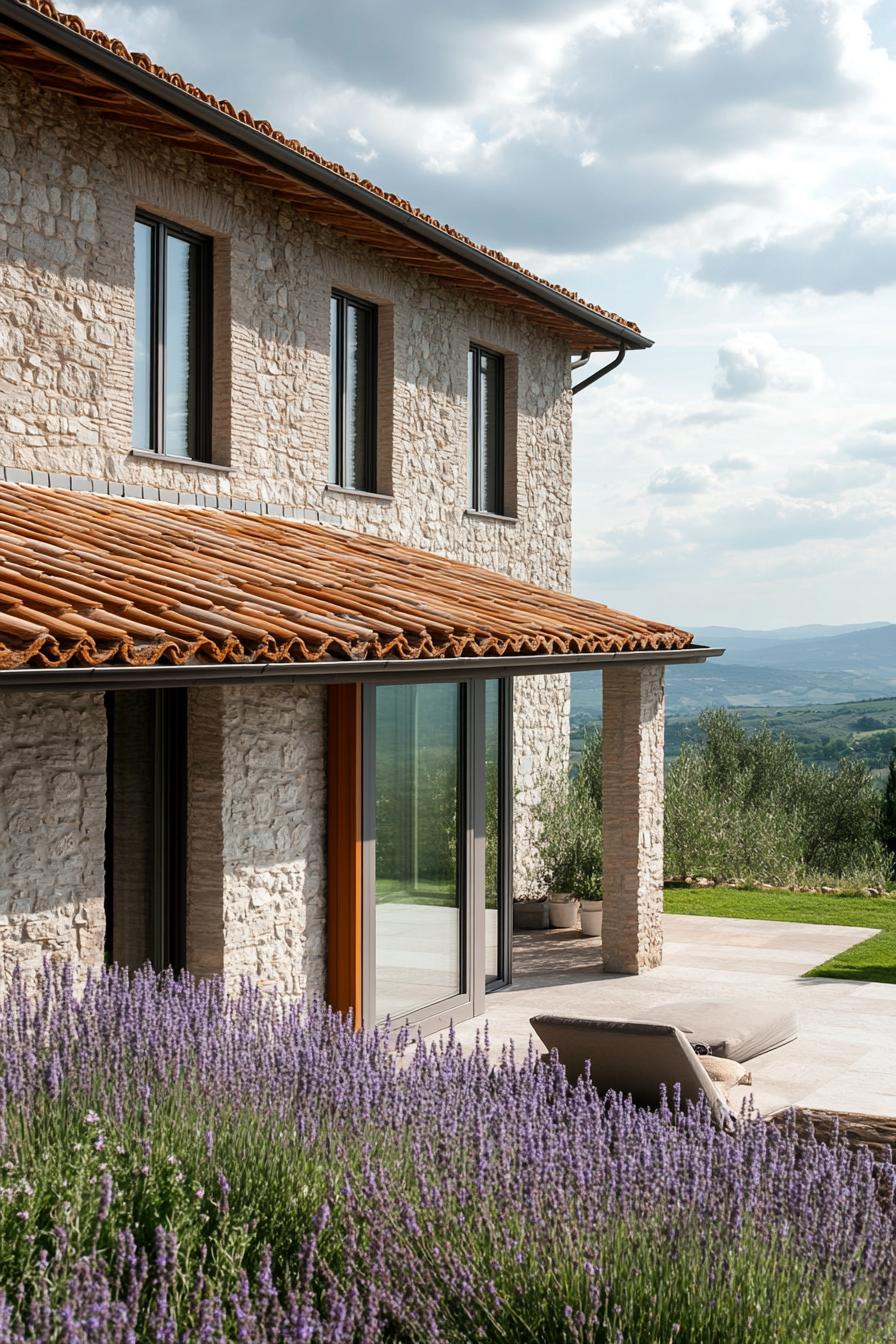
{"x":641,"y":1058}
{"x":633,"y":1058}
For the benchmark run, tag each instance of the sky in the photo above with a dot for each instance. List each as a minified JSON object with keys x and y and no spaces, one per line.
{"x":722,"y":173}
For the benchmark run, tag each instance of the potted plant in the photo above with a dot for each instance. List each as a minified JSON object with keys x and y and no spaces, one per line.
{"x":571,"y":854}
{"x":529,"y":915}
{"x":530,"y":909}
{"x":591,"y":913}
{"x":563,"y":909}
{"x":556,"y":855}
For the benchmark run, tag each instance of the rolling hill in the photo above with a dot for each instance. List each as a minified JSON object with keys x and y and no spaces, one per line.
{"x":777,"y":668}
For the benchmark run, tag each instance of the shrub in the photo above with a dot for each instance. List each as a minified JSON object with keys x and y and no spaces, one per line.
{"x":888,"y":812}
{"x":570,"y":841}
{"x":742,"y":805}
{"x":183,"y":1166}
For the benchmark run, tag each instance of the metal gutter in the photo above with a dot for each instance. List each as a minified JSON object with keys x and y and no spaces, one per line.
{"x":327,"y":673}
{"x":123,"y":74}
{"x":602,"y":372}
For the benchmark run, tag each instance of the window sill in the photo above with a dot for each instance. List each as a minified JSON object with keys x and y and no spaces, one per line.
{"x":490,"y":517}
{"x":172,"y":461}
{"x":358,"y":494}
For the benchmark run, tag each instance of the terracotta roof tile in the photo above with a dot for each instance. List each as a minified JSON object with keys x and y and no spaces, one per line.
{"x":144,"y":62}
{"x":87,"y":580}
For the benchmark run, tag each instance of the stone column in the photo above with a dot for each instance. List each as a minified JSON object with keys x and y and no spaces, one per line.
{"x":633,"y":709}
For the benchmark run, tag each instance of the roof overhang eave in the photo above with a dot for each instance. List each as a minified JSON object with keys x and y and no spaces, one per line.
{"x":123,"y":74}
{"x":332,"y":671}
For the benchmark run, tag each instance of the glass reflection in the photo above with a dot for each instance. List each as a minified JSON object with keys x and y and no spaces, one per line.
{"x":357,"y":411}
{"x":418,"y":924}
{"x":488,"y":430}
{"x":485,"y":394}
{"x":492,"y":828}
{"x":180,"y":345}
{"x":335,"y":389}
{"x":140,"y":429}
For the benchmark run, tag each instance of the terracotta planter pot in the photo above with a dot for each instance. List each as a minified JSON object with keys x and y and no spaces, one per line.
{"x":530,"y":915}
{"x":592,"y":916}
{"x":563,"y":911}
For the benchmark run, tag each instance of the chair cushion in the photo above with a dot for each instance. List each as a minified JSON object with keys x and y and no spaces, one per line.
{"x":732,"y":1028}
{"x":725,"y":1073}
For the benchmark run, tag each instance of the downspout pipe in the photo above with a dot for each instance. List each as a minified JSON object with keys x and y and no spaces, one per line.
{"x":601,"y":373}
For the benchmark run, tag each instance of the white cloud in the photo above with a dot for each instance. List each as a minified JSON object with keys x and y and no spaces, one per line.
{"x":486,"y":115}
{"x":754,"y":362}
{"x":877,"y":443}
{"x":681,"y":480}
{"x":733,"y":462}
{"x":823,"y":480}
{"x":366,"y":152}
{"x":854,"y":249}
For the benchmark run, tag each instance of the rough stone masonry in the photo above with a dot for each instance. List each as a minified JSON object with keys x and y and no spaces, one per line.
{"x":70,"y":184}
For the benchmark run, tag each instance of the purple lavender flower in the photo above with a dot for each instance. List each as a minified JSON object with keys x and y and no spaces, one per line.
{"x":363,"y":1194}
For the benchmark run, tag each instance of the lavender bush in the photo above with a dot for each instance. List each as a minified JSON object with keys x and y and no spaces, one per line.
{"x":182,"y":1166}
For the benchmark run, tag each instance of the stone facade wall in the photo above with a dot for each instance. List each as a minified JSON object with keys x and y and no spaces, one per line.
{"x":52,"y":821}
{"x":275,"y":833}
{"x":70,"y":183}
{"x":69,"y":186}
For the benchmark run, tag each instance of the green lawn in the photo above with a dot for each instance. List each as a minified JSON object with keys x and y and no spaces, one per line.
{"x":873,"y":959}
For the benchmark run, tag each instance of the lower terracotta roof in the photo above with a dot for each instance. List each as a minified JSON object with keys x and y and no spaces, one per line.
{"x":88,"y":580}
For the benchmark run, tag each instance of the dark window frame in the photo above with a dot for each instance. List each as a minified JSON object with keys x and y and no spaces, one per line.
{"x":338,"y":375}
{"x":200,"y":410}
{"x":477,"y":492}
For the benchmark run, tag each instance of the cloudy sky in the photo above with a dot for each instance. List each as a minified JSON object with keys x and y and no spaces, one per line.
{"x":724,"y":173}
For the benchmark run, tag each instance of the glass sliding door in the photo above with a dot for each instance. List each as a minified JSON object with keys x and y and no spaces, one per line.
{"x":497,"y":750}
{"x":419,"y":887}
{"x":436,"y":847}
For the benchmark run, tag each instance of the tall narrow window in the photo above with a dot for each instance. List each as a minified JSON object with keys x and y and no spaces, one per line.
{"x":352,"y":393}
{"x":146,"y":828}
{"x":172,"y":339}
{"x":485,"y":387}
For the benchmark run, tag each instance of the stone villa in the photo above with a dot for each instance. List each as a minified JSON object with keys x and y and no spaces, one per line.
{"x":285,"y":478}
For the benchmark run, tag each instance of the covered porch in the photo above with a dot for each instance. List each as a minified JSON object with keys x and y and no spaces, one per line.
{"x":274,"y":718}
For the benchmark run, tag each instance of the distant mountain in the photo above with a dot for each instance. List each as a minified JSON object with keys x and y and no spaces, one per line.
{"x":735,"y":641}
{"x":871,"y":651}
{"x":765,"y":667}
{"x":802,"y":671}
{"x":708,"y":633}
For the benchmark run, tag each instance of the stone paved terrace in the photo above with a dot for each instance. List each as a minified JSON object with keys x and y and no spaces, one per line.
{"x":844,"y":1057}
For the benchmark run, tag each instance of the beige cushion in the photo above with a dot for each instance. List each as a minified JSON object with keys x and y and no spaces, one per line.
{"x":725,"y":1073}
{"x":732,"y":1028}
